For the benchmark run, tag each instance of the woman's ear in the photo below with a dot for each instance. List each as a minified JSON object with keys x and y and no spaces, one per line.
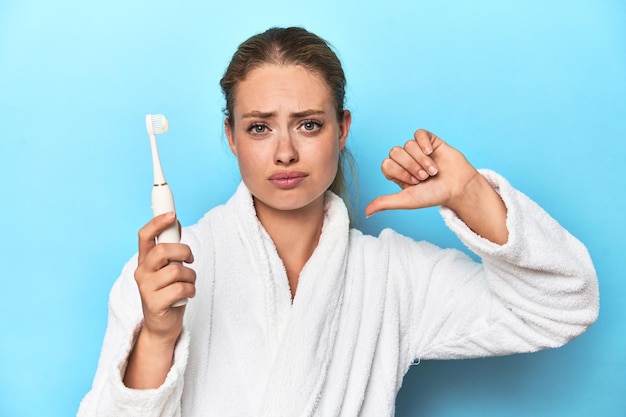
{"x":229,"y":134}
{"x":344,"y":128}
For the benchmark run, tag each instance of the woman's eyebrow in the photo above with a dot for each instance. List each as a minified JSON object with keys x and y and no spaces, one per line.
{"x":306,"y":113}
{"x":294,"y":115}
{"x":259,"y":114}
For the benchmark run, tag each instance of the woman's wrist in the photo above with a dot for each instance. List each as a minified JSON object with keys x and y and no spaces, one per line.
{"x":150,"y":361}
{"x":481,"y":209}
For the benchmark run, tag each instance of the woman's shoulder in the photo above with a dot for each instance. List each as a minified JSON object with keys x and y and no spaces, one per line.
{"x":200,"y":231}
{"x":218,"y":219}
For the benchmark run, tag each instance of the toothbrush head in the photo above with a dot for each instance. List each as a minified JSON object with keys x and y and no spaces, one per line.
{"x":156,"y":124}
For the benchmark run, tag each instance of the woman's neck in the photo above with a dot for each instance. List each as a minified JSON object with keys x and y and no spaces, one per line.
{"x":295,"y":234}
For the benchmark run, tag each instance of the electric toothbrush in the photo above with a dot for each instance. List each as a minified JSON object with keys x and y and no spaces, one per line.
{"x":162,"y":197}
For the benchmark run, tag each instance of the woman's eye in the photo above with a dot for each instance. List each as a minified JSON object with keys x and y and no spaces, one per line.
{"x":311,"y":125}
{"x":257,"y":128}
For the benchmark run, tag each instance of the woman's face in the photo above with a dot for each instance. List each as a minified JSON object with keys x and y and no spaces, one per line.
{"x":286,"y":136}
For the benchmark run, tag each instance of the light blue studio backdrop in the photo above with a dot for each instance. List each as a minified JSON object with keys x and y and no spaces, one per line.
{"x":535,"y":90}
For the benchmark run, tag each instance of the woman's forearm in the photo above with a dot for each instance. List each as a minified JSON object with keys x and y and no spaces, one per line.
{"x":149,"y":362}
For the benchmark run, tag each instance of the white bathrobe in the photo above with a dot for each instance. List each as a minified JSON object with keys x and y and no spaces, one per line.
{"x":365,"y":308}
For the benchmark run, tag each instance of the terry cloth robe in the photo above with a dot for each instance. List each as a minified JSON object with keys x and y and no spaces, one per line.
{"x":365,"y":308}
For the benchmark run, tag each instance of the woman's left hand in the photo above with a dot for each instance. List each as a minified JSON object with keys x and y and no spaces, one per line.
{"x":432,"y":173}
{"x":429,"y":171}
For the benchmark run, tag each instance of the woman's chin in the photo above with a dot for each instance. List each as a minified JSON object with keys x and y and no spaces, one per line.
{"x":289,"y":203}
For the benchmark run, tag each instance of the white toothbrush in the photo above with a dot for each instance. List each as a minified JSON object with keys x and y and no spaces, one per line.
{"x":162,"y":197}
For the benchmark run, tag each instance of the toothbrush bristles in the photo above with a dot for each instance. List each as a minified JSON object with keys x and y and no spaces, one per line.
{"x":158,"y":123}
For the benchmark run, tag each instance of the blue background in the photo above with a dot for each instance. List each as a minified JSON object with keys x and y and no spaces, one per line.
{"x":535,"y":90}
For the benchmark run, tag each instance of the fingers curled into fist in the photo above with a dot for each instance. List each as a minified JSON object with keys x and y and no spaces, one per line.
{"x":412,"y":163}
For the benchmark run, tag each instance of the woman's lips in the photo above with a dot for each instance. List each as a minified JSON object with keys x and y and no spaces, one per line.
{"x":286,"y":180}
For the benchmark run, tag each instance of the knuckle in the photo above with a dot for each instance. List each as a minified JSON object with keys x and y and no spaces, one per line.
{"x":178,"y":288}
{"x":160,"y":251}
{"x":140,"y":273}
{"x":147,"y":231}
{"x":141,"y":284}
{"x":181,"y":289}
{"x":420,"y":133}
{"x":143,"y":234}
{"x":174,"y":271}
{"x":386,"y":166}
{"x":395,"y":151}
{"x":137,"y":276}
{"x":413,"y":147}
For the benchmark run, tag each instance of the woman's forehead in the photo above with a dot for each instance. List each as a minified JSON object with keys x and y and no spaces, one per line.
{"x":269,"y":87}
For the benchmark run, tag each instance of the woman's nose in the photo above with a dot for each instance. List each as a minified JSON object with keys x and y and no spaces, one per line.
{"x":286,"y":152}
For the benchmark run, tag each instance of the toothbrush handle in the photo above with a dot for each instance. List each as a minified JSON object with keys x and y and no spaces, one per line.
{"x":163,"y":202}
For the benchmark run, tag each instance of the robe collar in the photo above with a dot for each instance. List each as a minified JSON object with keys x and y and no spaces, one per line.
{"x":304,"y":344}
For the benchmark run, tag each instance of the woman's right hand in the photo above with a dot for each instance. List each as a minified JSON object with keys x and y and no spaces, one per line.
{"x":163,"y":279}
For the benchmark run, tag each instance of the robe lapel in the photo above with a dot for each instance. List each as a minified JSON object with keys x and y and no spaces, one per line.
{"x":305,"y":349}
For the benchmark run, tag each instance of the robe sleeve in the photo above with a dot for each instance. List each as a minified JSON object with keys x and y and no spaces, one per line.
{"x":538,"y":290}
{"x":108,"y":395}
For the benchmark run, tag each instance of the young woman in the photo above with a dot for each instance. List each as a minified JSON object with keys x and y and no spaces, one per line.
{"x":292,"y":312}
